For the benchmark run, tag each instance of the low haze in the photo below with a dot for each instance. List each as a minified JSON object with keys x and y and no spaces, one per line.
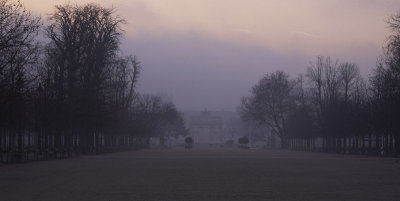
{"x":215,"y":100}
{"x":208,"y":54}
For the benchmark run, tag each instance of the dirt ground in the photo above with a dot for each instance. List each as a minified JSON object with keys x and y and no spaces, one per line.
{"x":204,"y":174}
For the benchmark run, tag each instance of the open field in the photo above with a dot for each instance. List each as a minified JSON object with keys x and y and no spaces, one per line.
{"x":204,"y":174}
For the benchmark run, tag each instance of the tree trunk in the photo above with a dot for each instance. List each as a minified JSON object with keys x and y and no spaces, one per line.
{"x":386,"y":145}
{"x":397,"y":145}
{"x":283,"y":142}
{"x":363,"y":144}
{"x":391,"y":152}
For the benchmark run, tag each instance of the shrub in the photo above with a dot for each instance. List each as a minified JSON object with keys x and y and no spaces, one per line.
{"x":243,"y":140}
{"x":189,"y":141}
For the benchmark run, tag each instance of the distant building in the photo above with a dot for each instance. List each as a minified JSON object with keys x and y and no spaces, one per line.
{"x":206,"y":127}
{"x":210,"y":126}
{"x":218,"y":127}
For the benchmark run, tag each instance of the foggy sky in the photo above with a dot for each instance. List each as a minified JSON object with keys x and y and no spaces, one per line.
{"x":208,"y":53}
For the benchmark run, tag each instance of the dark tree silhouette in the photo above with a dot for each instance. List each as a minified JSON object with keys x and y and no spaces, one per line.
{"x":349,"y":75}
{"x":243,"y":142}
{"x":80,"y":97}
{"x":90,"y":86}
{"x":189,"y":142}
{"x":18,"y":55}
{"x":270,"y":103}
{"x":301,"y":122}
{"x":385,"y":85}
{"x":155,"y":117}
{"x":332,"y":109}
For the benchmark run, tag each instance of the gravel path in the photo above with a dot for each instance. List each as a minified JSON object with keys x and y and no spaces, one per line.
{"x":217,"y":174}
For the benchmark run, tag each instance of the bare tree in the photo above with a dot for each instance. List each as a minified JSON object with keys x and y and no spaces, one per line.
{"x":17,"y":35}
{"x":385,"y":87}
{"x":270,"y":103}
{"x":155,"y":117}
{"x":349,"y":75}
{"x":18,"y":54}
{"x":333,"y":84}
{"x":84,"y":73}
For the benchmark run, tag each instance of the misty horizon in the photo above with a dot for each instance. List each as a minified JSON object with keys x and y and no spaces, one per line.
{"x":199,"y":100}
{"x":198,"y":72}
{"x":203,"y":62}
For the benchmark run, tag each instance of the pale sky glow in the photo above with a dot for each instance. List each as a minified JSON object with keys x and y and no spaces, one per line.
{"x":291,"y":32}
{"x":277,"y":24}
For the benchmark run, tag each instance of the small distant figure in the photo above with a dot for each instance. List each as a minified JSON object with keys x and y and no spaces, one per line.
{"x":189,"y":142}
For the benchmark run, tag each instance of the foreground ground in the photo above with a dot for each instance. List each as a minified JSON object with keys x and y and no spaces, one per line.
{"x":202,"y":174}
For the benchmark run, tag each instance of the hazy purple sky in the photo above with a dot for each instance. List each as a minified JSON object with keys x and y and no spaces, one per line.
{"x":208,"y":53}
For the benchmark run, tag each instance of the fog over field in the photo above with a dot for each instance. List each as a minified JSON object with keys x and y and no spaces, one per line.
{"x":199,"y":100}
{"x":204,"y":174}
{"x":208,"y":54}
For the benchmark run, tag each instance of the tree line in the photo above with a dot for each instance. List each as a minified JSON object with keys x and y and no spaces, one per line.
{"x":332,"y":108}
{"x":73,"y":91}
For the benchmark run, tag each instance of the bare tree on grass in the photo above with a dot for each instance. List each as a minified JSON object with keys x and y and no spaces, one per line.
{"x":349,"y":75}
{"x":155,"y":117}
{"x":270,"y":103}
{"x":333,"y":85}
{"x":89,"y":82}
{"x":386,"y":90}
{"x":18,"y":54}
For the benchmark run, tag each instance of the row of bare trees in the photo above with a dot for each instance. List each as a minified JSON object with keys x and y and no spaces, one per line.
{"x":332,"y":108}
{"x":74,"y":92}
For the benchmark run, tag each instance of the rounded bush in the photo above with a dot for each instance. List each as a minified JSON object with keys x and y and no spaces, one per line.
{"x":243,"y":140}
{"x":189,"y":140}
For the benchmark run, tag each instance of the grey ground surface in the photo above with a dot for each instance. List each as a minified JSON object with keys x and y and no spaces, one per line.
{"x":204,"y":174}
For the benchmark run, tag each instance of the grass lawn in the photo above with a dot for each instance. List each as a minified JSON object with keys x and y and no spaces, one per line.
{"x":204,"y":174}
